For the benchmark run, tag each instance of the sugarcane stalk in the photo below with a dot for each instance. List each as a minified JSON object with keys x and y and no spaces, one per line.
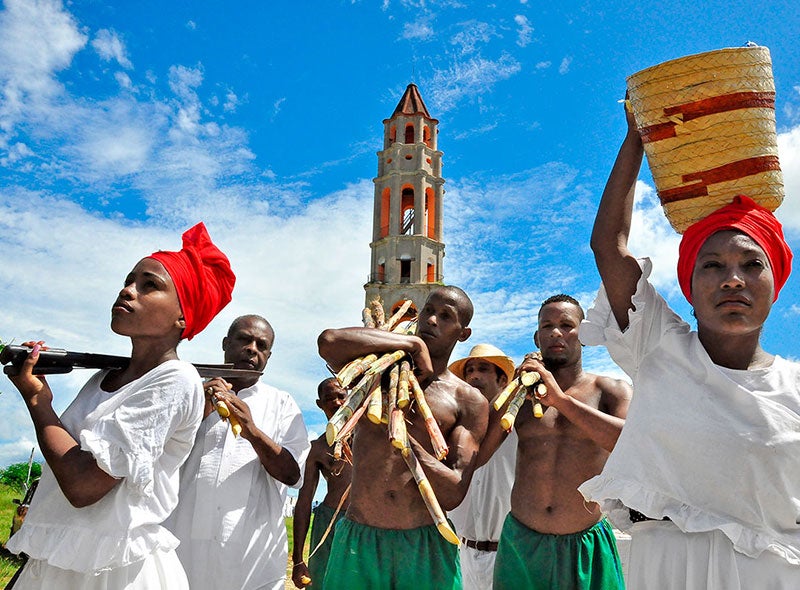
{"x":384,"y":362}
{"x":398,"y":433}
{"x":402,"y":385}
{"x":528,"y":378}
{"x":348,"y":427}
{"x":507,"y":421}
{"x":337,"y":449}
{"x":355,"y":368}
{"x":375,"y":404}
{"x":398,"y":315}
{"x":366,"y":318}
{"x":410,"y":328}
{"x":440,"y":448}
{"x":391,"y":393}
{"x":501,"y":398}
{"x":539,"y":391}
{"x":351,"y":403}
{"x":224,"y":412}
{"x":378,"y":315}
{"x":431,"y":503}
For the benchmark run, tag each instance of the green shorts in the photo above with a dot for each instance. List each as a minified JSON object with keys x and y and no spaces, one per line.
{"x":319,"y":561}
{"x":369,"y":558}
{"x":587,"y":560}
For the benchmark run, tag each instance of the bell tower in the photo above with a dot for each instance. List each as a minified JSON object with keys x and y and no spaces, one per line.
{"x":407,"y":247}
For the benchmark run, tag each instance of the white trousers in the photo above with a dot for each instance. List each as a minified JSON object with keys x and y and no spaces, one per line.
{"x":161,"y":571}
{"x":662,"y":557}
{"x":477,"y":568}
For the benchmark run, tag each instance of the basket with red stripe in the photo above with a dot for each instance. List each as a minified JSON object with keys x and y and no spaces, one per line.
{"x":708,"y":126}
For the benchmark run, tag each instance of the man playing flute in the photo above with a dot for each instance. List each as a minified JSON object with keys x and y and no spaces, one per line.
{"x":229,"y":517}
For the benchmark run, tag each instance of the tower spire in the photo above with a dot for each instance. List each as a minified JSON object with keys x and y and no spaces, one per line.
{"x":407,"y":248}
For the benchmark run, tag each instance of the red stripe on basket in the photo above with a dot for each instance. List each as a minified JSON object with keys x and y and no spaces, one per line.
{"x":701,"y":180}
{"x":721,"y":104}
{"x":705,"y":107}
{"x":657,"y":132}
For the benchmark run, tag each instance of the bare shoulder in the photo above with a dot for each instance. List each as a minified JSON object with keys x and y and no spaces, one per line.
{"x":614,"y":387}
{"x":615,"y":395}
{"x":319,"y":449}
{"x":462,"y":391}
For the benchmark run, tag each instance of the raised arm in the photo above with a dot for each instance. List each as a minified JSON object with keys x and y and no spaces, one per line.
{"x":340,"y":346}
{"x":76,"y":471}
{"x":617,"y":267}
{"x":450,"y":478}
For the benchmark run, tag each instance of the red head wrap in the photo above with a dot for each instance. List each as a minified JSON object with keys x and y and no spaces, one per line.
{"x":203,"y":278}
{"x":746,"y":216}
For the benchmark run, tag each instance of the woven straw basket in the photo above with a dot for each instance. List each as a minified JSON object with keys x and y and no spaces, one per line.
{"x":708,"y":126}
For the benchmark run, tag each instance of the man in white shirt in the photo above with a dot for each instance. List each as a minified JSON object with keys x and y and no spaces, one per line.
{"x":479,"y":518}
{"x":233,"y":488}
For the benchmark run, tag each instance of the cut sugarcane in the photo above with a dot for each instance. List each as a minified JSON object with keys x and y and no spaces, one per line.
{"x":431,"y":503}
{"x":507,"y":421}
{"x":501,"y":398}
{"x":440,"y":448}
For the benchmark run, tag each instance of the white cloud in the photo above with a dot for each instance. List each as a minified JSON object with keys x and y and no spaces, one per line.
{"x":563,"y":67}
{"x":468,"y":79}
{"x":525,"y":30}
{"x":37,"y":40}
{"x":472,"y":35}
{"x":231,"y":102}
{"x":276,"y":106}
{"x":110,"y":47}
{"x":543,"y":65}
{"x":191,"y":25}
{"x":789,"y":152}
{"x":418,"y":30}
{"x":123,"y":80}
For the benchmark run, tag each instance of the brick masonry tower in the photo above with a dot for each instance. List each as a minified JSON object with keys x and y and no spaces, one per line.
{"x":407,"y":247}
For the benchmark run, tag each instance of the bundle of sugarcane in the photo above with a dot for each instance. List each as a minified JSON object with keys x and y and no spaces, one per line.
{"x":527,"y":384}
{"x":385,"y":400}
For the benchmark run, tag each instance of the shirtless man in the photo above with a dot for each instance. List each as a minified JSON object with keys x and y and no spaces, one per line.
{"x":583,"y":418}
{"x":388,"y":538}
{"x":337,"y":475}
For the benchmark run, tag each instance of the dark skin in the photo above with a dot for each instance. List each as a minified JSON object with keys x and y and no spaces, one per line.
{"x":148,"y":311}
{"x":384,"y":493}
{"x":248,"y":345}
{"x":337,"y":474}
{"x":732,"y":284}
{"x":583,"y":417}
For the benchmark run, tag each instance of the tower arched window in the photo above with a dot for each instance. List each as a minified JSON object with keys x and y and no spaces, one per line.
{"x":407,"y":211}
{"x":410,"y":133}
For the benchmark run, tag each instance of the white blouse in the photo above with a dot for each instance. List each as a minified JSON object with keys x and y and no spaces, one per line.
{"x":141,"y":433}
{"x":708,"y":447}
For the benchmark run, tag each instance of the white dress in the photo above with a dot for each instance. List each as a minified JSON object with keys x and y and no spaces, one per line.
{"x":230,"y":515}
{"x":141,"y":433}
{"x":481,"y":514}
{"x":715,"y":450}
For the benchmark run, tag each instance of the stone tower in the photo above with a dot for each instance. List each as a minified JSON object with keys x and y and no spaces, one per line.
{"x":407,"y":248}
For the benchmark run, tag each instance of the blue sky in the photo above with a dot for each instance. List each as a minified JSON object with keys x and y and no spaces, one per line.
{"x":122,"y":124}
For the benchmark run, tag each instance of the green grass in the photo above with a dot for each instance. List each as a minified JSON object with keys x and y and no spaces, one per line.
{"x":8,"y":563}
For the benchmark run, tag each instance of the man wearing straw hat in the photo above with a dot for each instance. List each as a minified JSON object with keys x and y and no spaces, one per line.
{"x":552,"y":539}
{"x":479,"y":518}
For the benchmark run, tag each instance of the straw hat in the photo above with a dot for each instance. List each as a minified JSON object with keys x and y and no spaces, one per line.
{"x":708,"y":126}
{"x":486,"y":352}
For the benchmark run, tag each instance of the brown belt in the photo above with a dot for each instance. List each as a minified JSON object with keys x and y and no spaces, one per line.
{"x":480,"y":545}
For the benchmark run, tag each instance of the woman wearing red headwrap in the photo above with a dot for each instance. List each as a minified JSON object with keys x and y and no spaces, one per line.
{"x":706,"y":473}
{"x":113,"y":456}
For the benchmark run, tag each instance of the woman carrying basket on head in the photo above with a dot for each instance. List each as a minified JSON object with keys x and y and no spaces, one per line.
{"x":708,"y":464}
{"x":113,"y":455}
